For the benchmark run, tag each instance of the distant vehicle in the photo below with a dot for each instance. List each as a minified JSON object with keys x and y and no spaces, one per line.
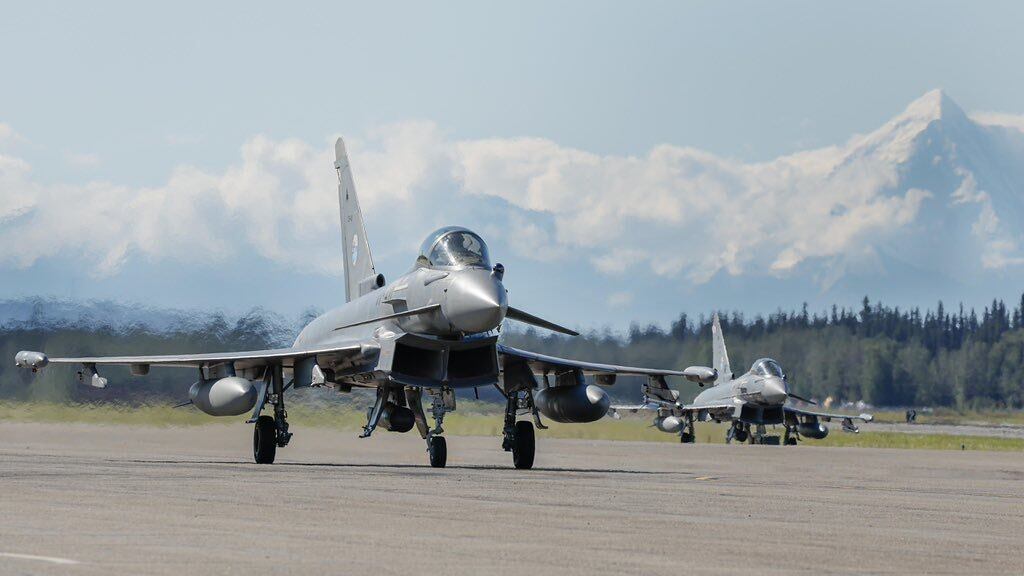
{"x":757,"y":399}
{"x":432,"y":329}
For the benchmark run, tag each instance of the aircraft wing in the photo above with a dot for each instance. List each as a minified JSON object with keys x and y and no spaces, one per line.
{"x":542,"y":363}
{"x":284,"y":356}
{"x":725,"y":408}
{"x":828,"y":416}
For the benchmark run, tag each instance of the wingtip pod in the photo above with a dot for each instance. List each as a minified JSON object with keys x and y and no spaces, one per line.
{"x":700,"y":374}
{"x":867,"y":417}
{"x":31,"y":360}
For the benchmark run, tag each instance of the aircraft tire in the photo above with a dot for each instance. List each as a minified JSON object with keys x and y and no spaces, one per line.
{"x":525,"y":446}
{"x":686,"y":438}
{"x":264,"y":440}
{"x":791,"y":441}
{"x":438,"y":451}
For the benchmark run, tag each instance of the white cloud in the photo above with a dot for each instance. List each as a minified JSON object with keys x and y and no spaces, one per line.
{"x":674,"y":211}
{"x":999,"y":119}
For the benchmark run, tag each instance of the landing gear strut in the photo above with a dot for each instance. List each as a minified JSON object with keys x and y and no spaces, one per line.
{"x":270,"y":432}
{"x":519,"y":437}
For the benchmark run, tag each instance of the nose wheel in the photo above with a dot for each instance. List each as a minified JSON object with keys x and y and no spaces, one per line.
{"x":438,"y":450}
{"x":738,"y":432}
{"x":443,"y":402}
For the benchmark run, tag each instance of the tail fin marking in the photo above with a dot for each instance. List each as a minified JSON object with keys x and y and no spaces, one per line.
{"x":357,"y":257}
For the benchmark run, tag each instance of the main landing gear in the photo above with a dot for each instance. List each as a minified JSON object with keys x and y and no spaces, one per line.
{"x":519,"y":437}
{"x":270,"y":432}
{"x":687,"y":434}
{"x":791,"y":436}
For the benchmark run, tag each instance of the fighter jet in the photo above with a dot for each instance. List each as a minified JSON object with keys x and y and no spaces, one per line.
{"x":757,"y":399}
{"x":431,"y":331}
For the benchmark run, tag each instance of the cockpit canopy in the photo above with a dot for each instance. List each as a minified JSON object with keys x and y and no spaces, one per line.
{"x":454,"y":247}
{"x":767,"y":367}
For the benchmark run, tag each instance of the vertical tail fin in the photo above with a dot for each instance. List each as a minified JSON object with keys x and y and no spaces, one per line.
{"x":358,"y":261}
{"x":719,"y":355}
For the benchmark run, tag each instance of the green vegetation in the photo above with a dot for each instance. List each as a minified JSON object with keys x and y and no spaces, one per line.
{"x":474,"y":419}
{"x":953,"y":416}
{"x":885,"y":356}
{"x":881,"y":355}
{"x":969,"y":367}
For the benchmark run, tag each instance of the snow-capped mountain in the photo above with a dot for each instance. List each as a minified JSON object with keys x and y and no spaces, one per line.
{"x":926,"y":207}
{"x":956,"y":188}
{"x":970,"y":223}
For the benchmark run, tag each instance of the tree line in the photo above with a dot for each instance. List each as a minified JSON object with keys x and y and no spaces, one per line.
{"x":885,"y":356}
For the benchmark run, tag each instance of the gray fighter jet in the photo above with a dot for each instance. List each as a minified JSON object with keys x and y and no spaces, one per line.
{"x":757,"y":399}
{"x":432,"y":330}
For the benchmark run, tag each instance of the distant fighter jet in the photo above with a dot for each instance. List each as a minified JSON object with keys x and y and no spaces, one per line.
{"x":433,"y":329}
{"x":756,"y":399}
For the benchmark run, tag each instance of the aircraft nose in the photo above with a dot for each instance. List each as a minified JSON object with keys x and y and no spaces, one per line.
{"x":774,"y":391}
{"x":475,"y":302}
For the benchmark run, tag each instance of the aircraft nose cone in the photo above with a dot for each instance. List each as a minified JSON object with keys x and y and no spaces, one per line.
{"x":774,"y":391}
{"x":475,"y":302}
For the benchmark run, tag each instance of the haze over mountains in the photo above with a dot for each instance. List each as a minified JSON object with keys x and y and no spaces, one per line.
{"x":926,"y":207}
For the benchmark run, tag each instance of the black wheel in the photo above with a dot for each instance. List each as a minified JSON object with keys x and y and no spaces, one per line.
{"x":525,"y":445}
{"x":791,"y":441}
{"x":686,"y":438}
{"x":438,"y":451}
{"x":741,"y":435}
{"x":264,"y":440}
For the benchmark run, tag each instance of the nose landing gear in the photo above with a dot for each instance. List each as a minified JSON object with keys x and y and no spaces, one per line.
{"x":442,"y":402}
{"x":739,"y":432}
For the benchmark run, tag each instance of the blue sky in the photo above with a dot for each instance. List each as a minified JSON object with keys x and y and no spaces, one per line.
{"x":121,"y":96}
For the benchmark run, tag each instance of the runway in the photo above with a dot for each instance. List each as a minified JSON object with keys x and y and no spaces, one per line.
{"x":86,"y":499}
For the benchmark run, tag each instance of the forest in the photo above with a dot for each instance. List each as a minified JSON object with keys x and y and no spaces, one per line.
{"x":884,"y":356}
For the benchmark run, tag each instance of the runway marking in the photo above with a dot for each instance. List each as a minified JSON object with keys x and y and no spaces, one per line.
{"x":50,"y":559}
{"x":706,"y":478}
